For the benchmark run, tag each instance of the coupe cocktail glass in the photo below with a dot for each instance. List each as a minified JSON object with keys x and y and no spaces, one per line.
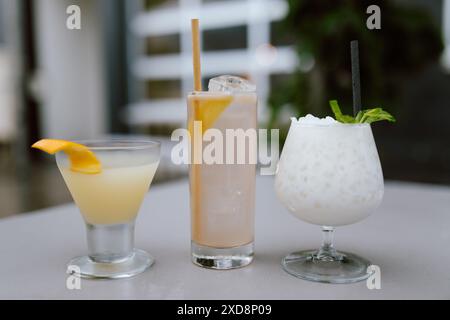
{"x":109,"y":202}
{"x":223,"y":194}
{"x":329,"y":175}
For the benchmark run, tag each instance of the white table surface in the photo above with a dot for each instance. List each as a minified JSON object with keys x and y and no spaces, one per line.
{"x":408,"y":237}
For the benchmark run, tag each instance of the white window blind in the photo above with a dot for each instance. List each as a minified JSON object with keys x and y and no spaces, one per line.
{"x":258,"y":59}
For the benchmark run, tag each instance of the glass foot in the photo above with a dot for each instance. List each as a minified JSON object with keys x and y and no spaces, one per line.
{"x":130,"y":266}
{"x":222,"y":258}
{"x":346,"y":268}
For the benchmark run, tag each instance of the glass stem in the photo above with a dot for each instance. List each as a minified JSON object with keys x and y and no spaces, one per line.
{"x":327,"y":252}
{"x":110,"y":243}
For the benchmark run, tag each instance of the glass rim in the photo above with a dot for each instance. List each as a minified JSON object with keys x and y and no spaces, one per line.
{"x":119,"y":144}
{"x":219,"y":93}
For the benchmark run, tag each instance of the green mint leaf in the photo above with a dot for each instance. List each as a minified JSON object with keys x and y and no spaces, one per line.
{"x":338,"y":113}
{"x":359,"y":117}
{"x":375,"y":114}
{"x":363,"y":116}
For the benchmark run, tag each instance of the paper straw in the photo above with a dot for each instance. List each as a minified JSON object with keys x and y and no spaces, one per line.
{"x":196,"y":201}
{"x":196,"y":55}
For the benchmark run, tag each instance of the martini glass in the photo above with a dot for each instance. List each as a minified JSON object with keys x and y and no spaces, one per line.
{"x":330,"y":176}
{"x":109,"y":202}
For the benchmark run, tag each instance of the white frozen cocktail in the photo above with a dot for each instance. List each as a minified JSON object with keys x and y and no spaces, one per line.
{"x":329,"y":174}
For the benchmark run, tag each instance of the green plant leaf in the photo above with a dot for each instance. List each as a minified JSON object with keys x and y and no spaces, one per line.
{"x":338,"y":113}
{"x":375,"y":114}
{"x":359,"y":117}
{"x":363,"y":116}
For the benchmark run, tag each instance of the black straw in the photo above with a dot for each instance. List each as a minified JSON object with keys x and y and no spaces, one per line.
{"x":356,"y":82}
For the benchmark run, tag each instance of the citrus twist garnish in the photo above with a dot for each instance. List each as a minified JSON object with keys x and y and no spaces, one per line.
{"x":81,"y":158}
{"x":208,"y":109}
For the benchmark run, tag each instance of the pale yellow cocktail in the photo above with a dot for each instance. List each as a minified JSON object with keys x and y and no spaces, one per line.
{"x":108,"y":181}
{"x":112,"y":196}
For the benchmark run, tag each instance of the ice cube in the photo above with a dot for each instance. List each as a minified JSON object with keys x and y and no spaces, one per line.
{"x":230,"y":84}
{"x":309,"y":119}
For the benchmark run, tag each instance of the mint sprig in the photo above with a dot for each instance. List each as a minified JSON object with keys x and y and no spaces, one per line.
{"x":363,"y":116}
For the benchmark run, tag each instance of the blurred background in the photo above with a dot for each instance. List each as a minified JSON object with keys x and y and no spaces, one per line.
{"x":128,"y":69}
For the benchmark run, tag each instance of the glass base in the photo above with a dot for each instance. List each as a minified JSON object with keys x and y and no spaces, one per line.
{"x":222,"y":258}
{"x":136,"y":263}
{"x":347,"y":268}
